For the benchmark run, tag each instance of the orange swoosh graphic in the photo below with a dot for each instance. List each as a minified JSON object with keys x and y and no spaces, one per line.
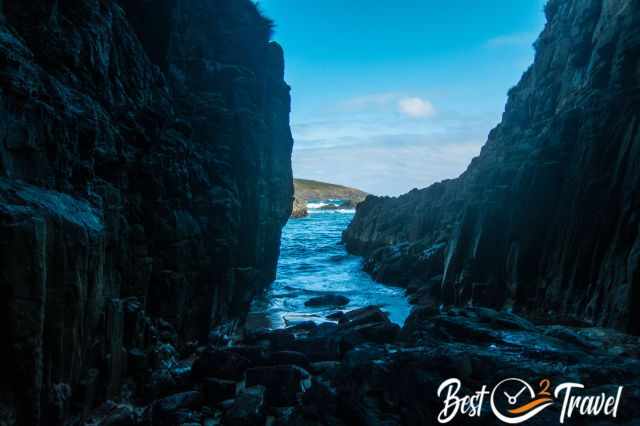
{"x":530,"y":406}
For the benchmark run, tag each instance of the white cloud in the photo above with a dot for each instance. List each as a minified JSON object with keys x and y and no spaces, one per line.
{"x":388,"y":155}
{"x":385,"y":167}
{"x":409,"y":106}
{"x":415,"y":107}
{"x":384,"y":146}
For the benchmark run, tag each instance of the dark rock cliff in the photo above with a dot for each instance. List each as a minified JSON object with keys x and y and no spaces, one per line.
{"x":547,"y":219}
{"x":145,"y":177}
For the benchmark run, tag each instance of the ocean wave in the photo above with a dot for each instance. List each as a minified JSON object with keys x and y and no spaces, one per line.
{"x":316,"y":205}
{"x":346,"y":211}
{"x":313,"y":262}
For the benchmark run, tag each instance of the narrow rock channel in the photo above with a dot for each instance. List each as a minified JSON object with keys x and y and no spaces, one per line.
{"x":316,"y":277}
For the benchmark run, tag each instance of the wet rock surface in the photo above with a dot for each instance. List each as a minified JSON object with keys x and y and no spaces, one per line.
{"x":545,"y":219}
{"x":327,"y":300}
{"x":362,"y":379}
{"x":144,"y":180}
{"x":145,"y":177}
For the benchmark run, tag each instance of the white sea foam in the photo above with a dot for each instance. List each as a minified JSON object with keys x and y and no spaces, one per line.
{"x":351,"y":211}
{"x":316,"y":205}
{"x":313,"y":262}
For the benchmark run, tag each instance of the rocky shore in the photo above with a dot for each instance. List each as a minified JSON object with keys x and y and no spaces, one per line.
{"x":365,"y":370}
{"x":545,"y":220}
{"x":145,"y":178}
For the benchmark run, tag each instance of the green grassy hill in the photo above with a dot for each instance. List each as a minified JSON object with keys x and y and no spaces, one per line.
{"x":309,"y":190}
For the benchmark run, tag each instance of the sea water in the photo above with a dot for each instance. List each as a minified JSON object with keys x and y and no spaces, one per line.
{"x":314,"y":262}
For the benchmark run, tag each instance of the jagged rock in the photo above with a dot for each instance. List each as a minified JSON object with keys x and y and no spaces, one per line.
{"x":171,"y":409}
{"x":187,"y":418}
{"x":113,"y":414}
{"x":329,"y":300}
{"x":283,"y":383}
{"x":289,"y":358}
{"x":161,"y":384}
{"x":216,"y":390}
{"x":545,"y":219}
{"x":221,"y":364}
{"x":362,"y":354}
{"x":145,"y":177}
{"x":320,"y":401}
{"x":299,"y":209}
{"x":394,"y":380}
{"x":256,"y":355}
{"x":365,"y":315}
{"x":326,"y":370}
{"x":302,"y":327}
{"x":247,"y":409}
{"x":316,"y":347}
{"x":327,"y":341}
{"x":163,"y":356}
{"x":166,"y":381}
{"x":336,"y":316}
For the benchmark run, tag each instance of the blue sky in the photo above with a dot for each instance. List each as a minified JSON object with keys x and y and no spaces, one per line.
{"x":389,"y":95}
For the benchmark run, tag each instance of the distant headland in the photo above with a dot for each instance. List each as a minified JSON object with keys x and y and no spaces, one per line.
{"x":332,"y":197}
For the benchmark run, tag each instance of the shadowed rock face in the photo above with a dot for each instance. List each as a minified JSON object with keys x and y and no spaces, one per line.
{"x":546,"y":219}
{"x":365,"y":370}
{"x":145,"y":177}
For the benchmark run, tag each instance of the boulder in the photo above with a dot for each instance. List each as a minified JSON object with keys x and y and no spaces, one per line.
{"x":220,"y":364}
{"x":328,"y":300}
{"x":283,"y":383}
{"x":168,"y":410}
{"x":366,"y":315}
{"x":247,"y":409}
{"x":335,"y":316}
{"x":216,"y":390}
{"x":112,"y":414}
{"x":289,"y":358}
{"x":299,"y":209}
{"x":256,"y":355}
{"x":166,"y":381}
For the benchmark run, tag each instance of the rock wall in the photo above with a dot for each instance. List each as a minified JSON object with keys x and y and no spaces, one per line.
{"x":546,"y":220}
{"x":145,"y":177}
